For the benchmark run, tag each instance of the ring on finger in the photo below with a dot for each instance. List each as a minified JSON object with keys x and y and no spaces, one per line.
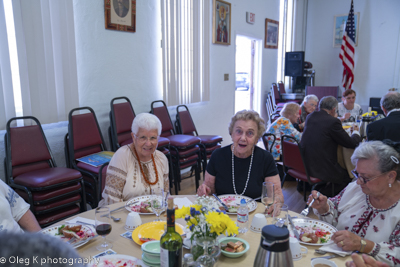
{"x":341,"y":243}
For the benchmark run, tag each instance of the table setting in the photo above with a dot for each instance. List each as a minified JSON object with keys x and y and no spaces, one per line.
{"x":126,"y":234}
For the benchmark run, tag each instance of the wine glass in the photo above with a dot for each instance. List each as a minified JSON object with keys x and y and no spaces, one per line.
{"x":206,"y":259}
{"x":157,"y":201}
{"x":267,"y":195}
{"x":103,"y":226}
{"x":281,"y":211}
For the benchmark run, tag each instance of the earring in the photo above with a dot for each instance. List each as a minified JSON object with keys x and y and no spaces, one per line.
{"x":390,"y":185}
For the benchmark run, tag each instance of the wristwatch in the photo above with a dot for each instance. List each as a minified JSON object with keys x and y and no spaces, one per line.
{"x":363,"y":244}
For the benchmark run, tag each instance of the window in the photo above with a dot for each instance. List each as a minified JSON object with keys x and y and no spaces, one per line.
{"x":185,"y":51}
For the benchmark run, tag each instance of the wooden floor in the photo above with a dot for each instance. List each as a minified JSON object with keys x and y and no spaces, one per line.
{"x":293,"y":198}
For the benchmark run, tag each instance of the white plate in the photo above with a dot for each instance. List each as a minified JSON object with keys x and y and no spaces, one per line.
{"x":116,"y":260}
{"x":251,"y":204}
{"x":320,"y":224}
{"x":136,"y":201}
{"x":53,"y":231}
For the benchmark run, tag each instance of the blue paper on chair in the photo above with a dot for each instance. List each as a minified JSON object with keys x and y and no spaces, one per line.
{"x":97,"y":159}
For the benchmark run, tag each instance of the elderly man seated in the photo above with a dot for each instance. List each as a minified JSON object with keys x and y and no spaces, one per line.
{"x":389,"y":127}
{"x":323,"y":132}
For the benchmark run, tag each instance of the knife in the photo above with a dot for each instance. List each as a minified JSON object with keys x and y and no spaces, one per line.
{"x":294,"y":228}
{"x":220,"y":201}
{"x":327,"y":257}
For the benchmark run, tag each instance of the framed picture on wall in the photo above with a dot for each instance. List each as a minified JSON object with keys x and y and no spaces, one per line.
{"x":271,"y":33}
{"x":339,"y":25}
{"x":120,"y":15}
{"x":221,"y":22}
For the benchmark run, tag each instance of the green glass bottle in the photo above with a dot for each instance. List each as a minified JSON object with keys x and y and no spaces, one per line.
{"x":171,"y":241}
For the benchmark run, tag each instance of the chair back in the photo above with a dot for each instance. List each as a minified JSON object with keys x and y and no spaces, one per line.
{"x":84,"y":134}
{"x":184,"y":121}
{"x":121,"y":117}
{"x":267,"y":137}
{"x":27,"y":148}
{"x":292,"y":154}
{"x":281,"y":87}
{"x":163,"y":115}
{"x":275,"y":93}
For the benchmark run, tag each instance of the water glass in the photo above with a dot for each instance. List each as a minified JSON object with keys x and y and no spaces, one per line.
{"x":281,"y":211}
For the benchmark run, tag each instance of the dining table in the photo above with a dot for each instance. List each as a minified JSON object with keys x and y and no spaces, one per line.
{"x":126,"y":246}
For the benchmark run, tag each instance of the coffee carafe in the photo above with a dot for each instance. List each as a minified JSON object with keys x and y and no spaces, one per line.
{"x":274,"y":249}
{"x":366,"y":119}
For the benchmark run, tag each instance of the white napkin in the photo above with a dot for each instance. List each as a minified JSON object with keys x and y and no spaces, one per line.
{"x":81,"y":219}
{"x":182,"y":201}
{"x":333,"y":248}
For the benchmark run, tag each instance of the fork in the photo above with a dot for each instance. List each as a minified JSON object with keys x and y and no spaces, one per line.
{"x":306,"y":210}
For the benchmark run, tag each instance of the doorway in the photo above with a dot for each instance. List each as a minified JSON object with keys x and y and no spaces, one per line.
{"x":247,"y":73}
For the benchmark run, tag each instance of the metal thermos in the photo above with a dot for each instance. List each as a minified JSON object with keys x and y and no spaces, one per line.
{"x":364,"y":123}
{"x":274,"y":250}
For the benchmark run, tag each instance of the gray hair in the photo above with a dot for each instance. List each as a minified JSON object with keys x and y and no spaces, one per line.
{"x":387,"y":157}
{"x":328,"y":102}
{"x":146,"y":121}
{"x":391,"y":101}
{"x":246,"y":115}
{"x":290,"y":108}
{"x":38,"y":249}
{"x":307,"y":98}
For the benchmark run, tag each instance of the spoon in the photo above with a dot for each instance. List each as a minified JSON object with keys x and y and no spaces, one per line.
{"x":320,"y":252}
{"x":115,"y":219}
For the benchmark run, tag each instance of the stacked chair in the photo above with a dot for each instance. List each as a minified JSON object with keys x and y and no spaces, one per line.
{"x":282,"y":90}
{"x":84,"y":138}
{"x":295,"y":164}
{"x":185,"y":125}
{"x":54,"y":193}
{"x":121,"y":117}
{"x":185,"y":149}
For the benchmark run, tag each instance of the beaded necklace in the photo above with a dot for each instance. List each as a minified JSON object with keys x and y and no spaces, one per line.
{"x":141,"y":169}
{"x":233,"y":171}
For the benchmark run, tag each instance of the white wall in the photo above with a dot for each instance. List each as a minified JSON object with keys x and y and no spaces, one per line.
{"x":114,"y":63}
{"x":377,"y":56}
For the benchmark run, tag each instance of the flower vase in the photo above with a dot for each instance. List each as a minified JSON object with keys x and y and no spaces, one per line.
{"x":213,"y":247}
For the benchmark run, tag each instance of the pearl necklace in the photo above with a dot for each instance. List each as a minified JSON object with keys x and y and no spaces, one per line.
{"x":233,"y":171}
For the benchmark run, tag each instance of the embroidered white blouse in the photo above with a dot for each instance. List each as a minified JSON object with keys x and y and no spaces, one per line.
{"x":352,"y":211}
{"x":124,"y":179}
{"x":12,"y":208}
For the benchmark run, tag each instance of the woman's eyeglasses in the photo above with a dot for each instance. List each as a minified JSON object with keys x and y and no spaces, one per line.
{"x":364,"y":180}
{"x":143,"y":139}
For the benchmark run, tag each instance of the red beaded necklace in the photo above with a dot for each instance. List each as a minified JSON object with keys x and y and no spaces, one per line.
{"x":141,"y":169}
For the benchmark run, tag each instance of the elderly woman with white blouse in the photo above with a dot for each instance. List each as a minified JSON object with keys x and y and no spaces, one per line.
{"x":367,"y":211}
{"x":137,"y":168}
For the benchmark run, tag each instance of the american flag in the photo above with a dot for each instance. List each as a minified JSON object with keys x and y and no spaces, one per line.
{"x":347,"y":50}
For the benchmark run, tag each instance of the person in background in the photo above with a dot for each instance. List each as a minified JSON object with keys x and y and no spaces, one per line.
{"x":348,"y":110}
{"x":389,"y":127}
{"x":367,"y":212}
{"x":284,"y":126}
{"x":242,"y":167}
{"x":308,"y":106}
{"x":138,"y":167}
{"x":38,"y":249}
{"x":322,"y":134}
{"x":15,"y":215}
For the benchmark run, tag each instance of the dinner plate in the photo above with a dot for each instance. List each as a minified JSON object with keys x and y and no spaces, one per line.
{"x":153,"y":230}
{"x":235,"y":200}
{"x":53,"y":231}
{"x":116,"y":260}
{"x":136,"y":201}
{"x":320,"y":224}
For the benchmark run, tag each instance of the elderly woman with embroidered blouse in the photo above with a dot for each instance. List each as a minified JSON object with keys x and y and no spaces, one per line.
{"x":242,"y":167}
{"x":367,"y":211}
{"x":284,"y":126}
{"x":138,"y":167}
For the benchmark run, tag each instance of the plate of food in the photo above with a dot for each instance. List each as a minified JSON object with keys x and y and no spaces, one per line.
{"x":140,"y":204}
{"x":152,"y":231}
{"x":116,"y":260}
{"x":313,"y":232}
{"x":80,"y":233}
{"x":233,"y":203}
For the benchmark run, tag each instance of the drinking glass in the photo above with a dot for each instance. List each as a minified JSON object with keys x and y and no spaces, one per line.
{"x":103,"y":226}
{"x":281,"y":211}
{"x":206,"y":259}
{"x":157,"y":202}
{"x":267,"y":195}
